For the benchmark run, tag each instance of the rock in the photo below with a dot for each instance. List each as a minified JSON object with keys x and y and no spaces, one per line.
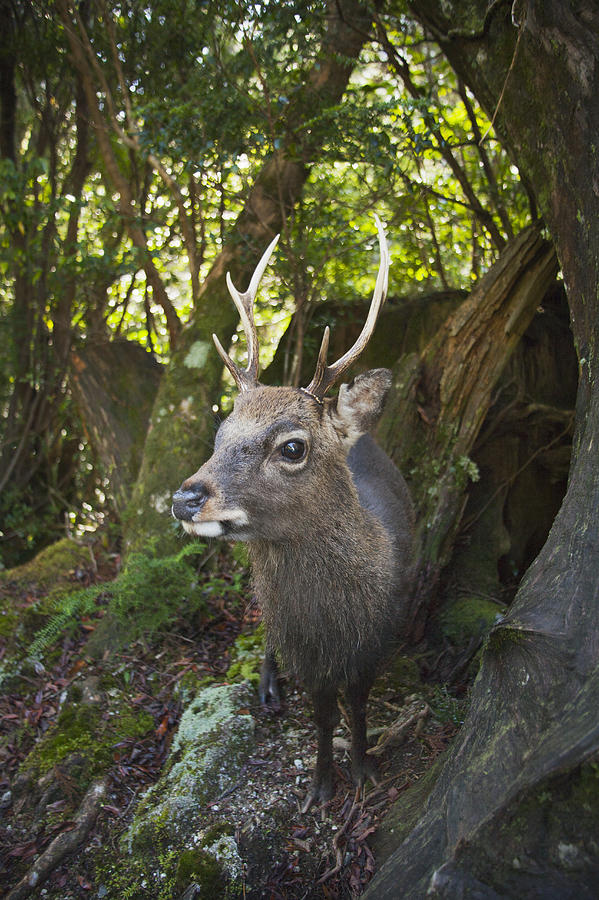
{"x":214,"y":739}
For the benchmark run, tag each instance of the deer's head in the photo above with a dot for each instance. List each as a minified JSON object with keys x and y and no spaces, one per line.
{"x":281,"y":455}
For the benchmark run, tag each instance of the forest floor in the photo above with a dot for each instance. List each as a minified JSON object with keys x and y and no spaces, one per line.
{"x":329,"y":852}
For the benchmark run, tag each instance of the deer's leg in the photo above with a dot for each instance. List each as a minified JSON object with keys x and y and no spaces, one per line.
{"x":362,"y":766}
{"x":268,"y":688}
{"x":326,"y":716}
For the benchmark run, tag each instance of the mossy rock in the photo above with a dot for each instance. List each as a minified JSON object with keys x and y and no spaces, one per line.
{"x":203,"y":869}
{"x":55,"y":565}
{"x":189,"y":686}
{"x":9,"y":621}
{"x":209,"y":861}
{"x":215,"y":865}
{"x":467,"y":618}
{"x":84,"y":730}
{"x":33,"y":593}
{"x":214,"y":739}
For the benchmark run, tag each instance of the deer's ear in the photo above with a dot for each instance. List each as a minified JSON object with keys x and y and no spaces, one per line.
{"x":360,"y":403}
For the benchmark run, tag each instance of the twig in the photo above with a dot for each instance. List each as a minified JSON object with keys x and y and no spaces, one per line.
{"x":336,"y":840}
{"x":507,"y":78}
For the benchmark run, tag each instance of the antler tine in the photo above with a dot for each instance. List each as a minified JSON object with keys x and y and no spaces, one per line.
{"x":326,"y":376}
{"x":247,"y":378}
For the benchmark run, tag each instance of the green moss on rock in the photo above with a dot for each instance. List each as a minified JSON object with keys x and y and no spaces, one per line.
{"x":202,"y":868}
{"x":214,"y":864}
{"x":82,"y":729}
{"x":34,"y":593}
{"x":214,"y":739}
{"x":54,"y":565}
{"x":404,"y":675}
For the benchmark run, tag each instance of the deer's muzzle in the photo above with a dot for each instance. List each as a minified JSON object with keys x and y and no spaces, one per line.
{"x":188,"y":502}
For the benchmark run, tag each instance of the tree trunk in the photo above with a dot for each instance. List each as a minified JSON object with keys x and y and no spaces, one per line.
{"x":181,"y":431}
{"x":114,"y":385}
{"x":514,"y":810}
{"x":442,"y":397}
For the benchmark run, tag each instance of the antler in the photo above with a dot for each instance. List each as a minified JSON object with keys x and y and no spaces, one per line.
{"x":246,"y":379}
{"x":326,"y":376}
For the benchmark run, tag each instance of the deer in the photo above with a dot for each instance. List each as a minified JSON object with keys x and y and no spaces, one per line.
{"x":328,"y":521}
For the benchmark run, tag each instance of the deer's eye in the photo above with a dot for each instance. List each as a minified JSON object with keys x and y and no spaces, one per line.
{"x":293,"y":450}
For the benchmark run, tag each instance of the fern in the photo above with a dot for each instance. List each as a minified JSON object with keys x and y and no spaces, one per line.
{"x":146,"y":596}
{"x":73,"y":606}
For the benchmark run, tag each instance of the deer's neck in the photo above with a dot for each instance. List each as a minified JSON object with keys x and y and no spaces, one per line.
{"x":327,"y":594}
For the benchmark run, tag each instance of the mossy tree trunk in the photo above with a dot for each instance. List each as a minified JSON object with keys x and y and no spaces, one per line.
{"x":514,"y":810}
{"x":181,"y":431}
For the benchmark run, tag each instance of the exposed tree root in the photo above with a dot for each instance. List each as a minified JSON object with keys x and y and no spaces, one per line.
{"x":64,"y":844}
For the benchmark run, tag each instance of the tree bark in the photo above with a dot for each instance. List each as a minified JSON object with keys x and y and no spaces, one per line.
{"x":442,"y":397}
{"x":114,"y":385}
{"x":181,"y":432}
{"x":532,"y":725}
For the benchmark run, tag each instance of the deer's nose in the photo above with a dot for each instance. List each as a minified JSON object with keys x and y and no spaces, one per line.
{"x":189,"y":500}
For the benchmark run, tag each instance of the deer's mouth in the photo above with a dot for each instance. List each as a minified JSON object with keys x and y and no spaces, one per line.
{"x":232,"y":524}
{"x":204,"y":529}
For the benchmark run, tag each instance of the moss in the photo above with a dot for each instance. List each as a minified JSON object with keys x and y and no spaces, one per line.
{"x":214,"y":738}
{"x":246,"y":657}
{"x":24,"y":610}
{"x":54,"y":565}
{"x":74,"y":732}
{"x":216,"y":831}
{"x":132,"y":879}
{"x":404,"y":675}
{"x":180,"y":434}
{"x":467,"y":618}
{"x":503,"y":636}
{"x":9,"y":619}
{"x":214,"y":865}
{"x":82,"y":729}
{"x":200,"y":867}
{"x":189,"y":685}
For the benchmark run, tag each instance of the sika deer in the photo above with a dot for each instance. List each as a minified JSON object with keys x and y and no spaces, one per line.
{"x":328,"y":520}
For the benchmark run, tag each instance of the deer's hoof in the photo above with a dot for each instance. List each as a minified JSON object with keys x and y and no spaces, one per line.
{"x":320,"y":791}
{"x":269,"y":693}
{"x":363,"y":770}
